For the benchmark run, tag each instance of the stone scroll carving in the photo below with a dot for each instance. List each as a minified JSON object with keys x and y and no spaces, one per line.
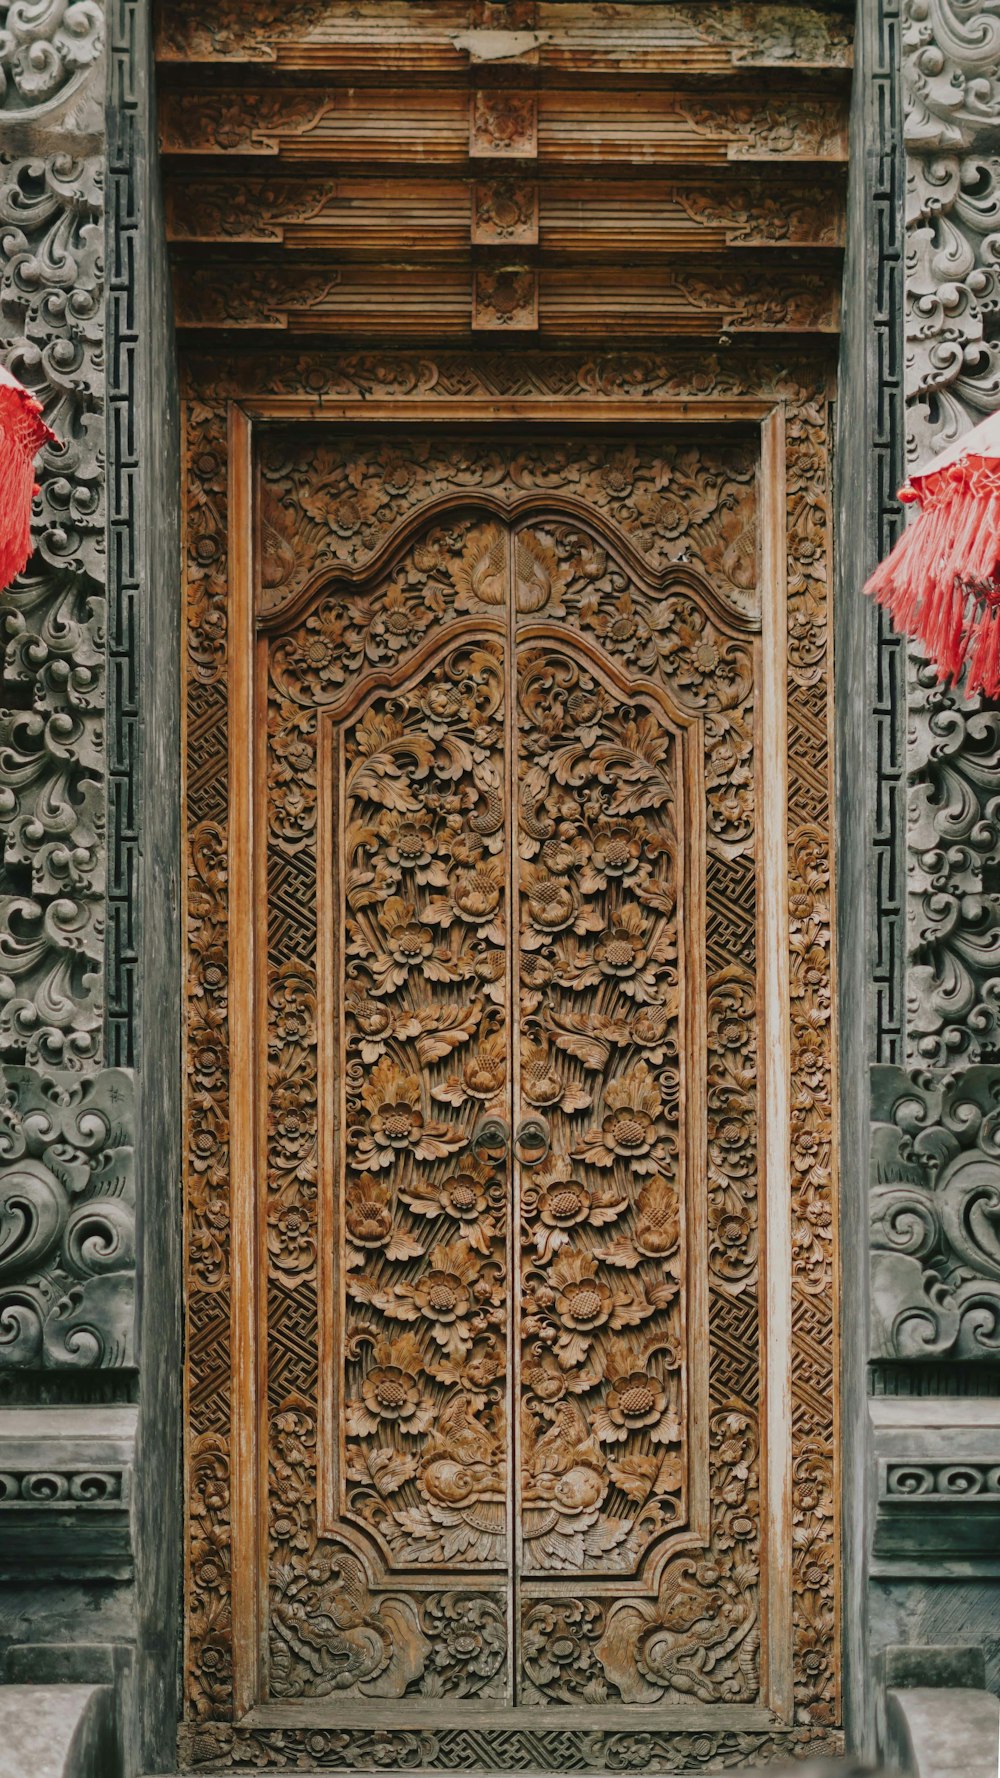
{"x":50,"y":60}
{"x":52,"y":877}
{"x":951,"y":70}
{"x":935,"y":1213}
{"x":953,"y":291}
{"x":67,"y":1220}
{"x":951,"y":67}
{"x":953,"y":979}
{"x":951,"y":73}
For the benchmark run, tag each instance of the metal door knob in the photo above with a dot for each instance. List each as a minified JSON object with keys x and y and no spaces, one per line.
{"x":491,"y":1139}
{"x":532,"y":1141}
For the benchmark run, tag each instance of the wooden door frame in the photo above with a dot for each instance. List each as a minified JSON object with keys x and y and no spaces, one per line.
{"x":244,"y":414}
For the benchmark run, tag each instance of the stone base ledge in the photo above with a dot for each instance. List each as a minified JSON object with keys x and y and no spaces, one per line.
{"x":65,"y":1492}
{"x":57,"y":1731}
{"x":936,"y":1733}
{"x":937,"y":1508}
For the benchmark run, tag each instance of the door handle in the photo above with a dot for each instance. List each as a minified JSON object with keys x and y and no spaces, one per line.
{"x":532,"y":1141}
{"x":491,"y":1139}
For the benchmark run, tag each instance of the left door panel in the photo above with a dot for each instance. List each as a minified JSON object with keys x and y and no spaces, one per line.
{"x":388,"y":861}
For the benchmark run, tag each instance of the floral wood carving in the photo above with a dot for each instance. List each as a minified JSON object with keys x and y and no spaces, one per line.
{"x":207,"y":993}
{"x":423,"y":834}
{"x":268,"y":299}
{"x":67,"y":1220}
{"x":216,"y":1746}
{"x":298,"y":1472}
{"x":754,"y":34}
{"x":265,"y":121}
{"x":505,"y":298}
{"x":504,"y":213}
{"x":670,"y":501}
{"x":503,"y":125}
{"x":935,"y":1213}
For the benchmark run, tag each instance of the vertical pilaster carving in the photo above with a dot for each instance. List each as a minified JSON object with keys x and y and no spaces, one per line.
{"x":67,"y":1224}
{"x":935,"y":1175}
{"x":951,"y":72}
{"x":52,"y":878}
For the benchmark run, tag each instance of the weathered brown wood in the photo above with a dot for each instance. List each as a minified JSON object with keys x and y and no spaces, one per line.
{"x":653,"y":170}
{"x":366,"y":218}
{"x":351,"y":41}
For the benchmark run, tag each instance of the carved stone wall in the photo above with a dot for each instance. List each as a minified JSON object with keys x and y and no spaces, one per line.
{"x":935,"y":1200}
{"x":66,"y":1192}
{"x":74,"y":298}
{"x":53,"y":873}
{"x":951,"y":72}
{"x":934,"y":1183}
{"x":950,"y":60}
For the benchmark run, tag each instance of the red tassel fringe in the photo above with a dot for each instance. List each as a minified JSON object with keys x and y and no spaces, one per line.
{"x":941,"y":582}
{"x":22,"y":434}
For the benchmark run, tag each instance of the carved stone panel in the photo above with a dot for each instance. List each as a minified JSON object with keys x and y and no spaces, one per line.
{"x":935,"y":1203}
{"x":67,"y":1220}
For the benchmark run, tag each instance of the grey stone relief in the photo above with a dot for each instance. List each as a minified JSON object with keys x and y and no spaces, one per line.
{"x":67,"y":1189}
{"x":48,"y":49}
{"x":52,"y":735}
{"x":951,"y":74}
{"x":953,"y":911}
{"x":937,"y":1498}
{"x":935,"y":1213}
{"x":935,"y":1180}
{"x":66,"y":1486}
{"x":67,"y":1220}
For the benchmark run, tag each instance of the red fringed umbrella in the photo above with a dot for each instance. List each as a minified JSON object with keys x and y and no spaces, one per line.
{"x":22,"y":435}
{"x":941,"y":582}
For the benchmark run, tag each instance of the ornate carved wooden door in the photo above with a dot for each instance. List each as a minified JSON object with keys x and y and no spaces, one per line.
{"x":512,"y":857}
{"x":509,"y":918}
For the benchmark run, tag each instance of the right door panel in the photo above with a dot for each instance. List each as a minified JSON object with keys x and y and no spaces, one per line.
{"x":637,"y":1188}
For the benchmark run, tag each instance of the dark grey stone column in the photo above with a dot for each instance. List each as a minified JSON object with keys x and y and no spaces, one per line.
{"x":934,"y":1161}
{"x":89,"y":1114}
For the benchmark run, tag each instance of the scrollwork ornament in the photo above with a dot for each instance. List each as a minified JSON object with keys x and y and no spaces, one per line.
{"x":951,"y":72}
{"x":953,"y":844}
{"x":67,"y":1220}
{"x":52,"y":618}
{"x":935,"y":1210}
{"x":50,"y":51}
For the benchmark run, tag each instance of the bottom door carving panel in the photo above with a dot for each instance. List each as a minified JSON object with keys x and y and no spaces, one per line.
{"x":516,"y":881}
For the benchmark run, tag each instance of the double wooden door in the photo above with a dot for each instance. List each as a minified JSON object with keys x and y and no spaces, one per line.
{"x":511,"y":900}
{"x":514,"y":882}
